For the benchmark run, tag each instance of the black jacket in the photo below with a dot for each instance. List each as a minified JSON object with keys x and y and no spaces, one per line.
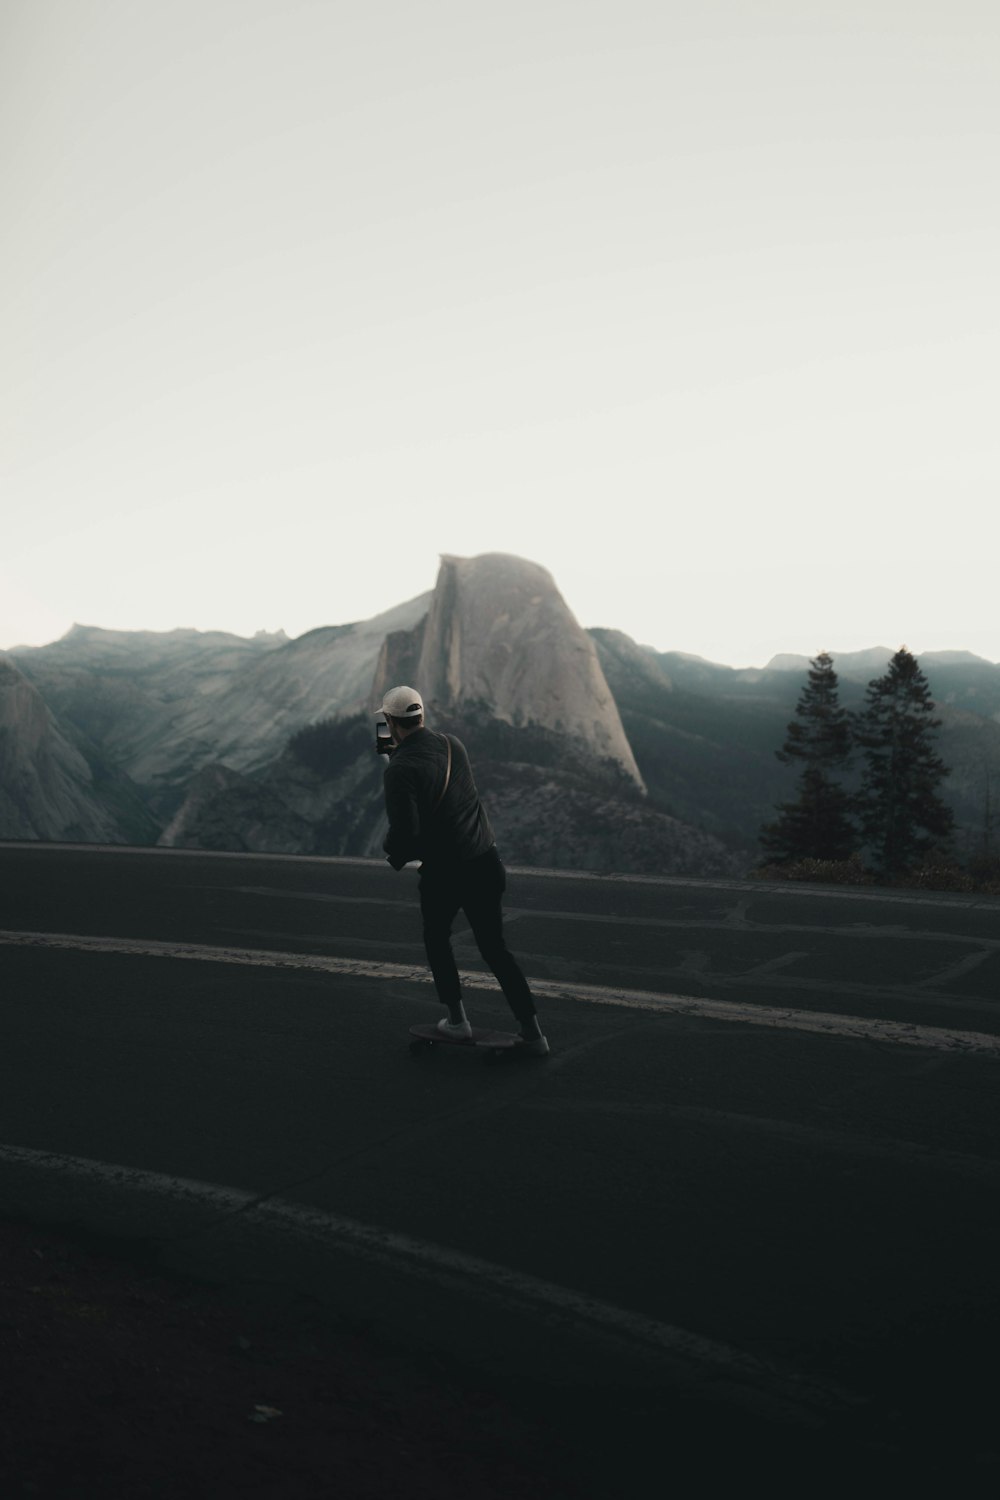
{"x":457,"y":830}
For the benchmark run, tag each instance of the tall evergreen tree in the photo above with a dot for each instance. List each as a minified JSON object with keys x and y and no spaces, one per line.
{"x":902,"y":816}
{"x":818,"y":824}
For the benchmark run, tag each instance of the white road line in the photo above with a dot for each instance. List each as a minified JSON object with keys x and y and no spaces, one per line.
{"x":465,"y":1274}
{"x":825,"y":1023}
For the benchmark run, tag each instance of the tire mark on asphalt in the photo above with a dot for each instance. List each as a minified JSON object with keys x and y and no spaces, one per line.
{"x":772,"y":965}
{"x":531,"y":1074}
{"x":959,"y":970}
{"x":980,"y":1169}
{"x":736,"y":919}
{"x":274,"y":892}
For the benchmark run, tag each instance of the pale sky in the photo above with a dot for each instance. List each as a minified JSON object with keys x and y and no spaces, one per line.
{"x":696,"y":304}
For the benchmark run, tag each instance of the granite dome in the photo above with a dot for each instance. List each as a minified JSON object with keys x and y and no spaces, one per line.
{"x":499,"y":634}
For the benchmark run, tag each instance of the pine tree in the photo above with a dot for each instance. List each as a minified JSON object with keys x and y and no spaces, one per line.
{"x":818,"y":825}
{"x":902,"y":817}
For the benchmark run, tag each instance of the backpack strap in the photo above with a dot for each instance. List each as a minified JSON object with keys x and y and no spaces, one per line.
{"x":447,"y":775}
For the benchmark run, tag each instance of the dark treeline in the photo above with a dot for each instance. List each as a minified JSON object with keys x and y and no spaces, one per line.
{"x":868,"y":800}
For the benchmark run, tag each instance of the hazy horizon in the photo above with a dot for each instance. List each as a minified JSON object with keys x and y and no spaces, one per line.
{"x":609,"y":625}
{"x":697,"y":307}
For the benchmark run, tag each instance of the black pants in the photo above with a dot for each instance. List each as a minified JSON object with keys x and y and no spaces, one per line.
{"x":476,"y":888}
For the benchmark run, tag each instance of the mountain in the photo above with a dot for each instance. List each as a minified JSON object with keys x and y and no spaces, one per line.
{"x":629,"y":667}
{"x":705,"y":745}
{"x":248,"y":721}
{"x":166,"y":705}
{"x":123,"y":689}
{"x":703,"y":735}
{"x":591,"y":750}
{"x":53,"y":783}
{"x":502,"y":663}
{"x":500,"y":638}
{"x":548,"y":806}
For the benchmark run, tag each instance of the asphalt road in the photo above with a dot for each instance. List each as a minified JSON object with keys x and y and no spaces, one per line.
{"x":755,"y":1184}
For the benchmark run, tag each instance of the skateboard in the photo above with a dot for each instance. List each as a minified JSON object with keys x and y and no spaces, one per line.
{"x":495,"y":1044}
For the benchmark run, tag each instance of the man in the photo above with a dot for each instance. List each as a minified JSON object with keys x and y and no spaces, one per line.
{"x":435,"y":815}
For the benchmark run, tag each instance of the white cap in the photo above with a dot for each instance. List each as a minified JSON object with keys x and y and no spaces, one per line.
{"x":403,"y":703}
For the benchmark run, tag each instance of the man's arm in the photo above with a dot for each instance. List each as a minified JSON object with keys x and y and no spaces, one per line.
{"x":401,"y":843}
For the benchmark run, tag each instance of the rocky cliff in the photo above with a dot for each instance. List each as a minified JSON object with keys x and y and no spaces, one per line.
{"x":500,"y":637}
{"x":126,"y":689}
{"x":246,"y":724}
{"x":165,"y":705}
{"x":53,"y":785}
{"x":502,"y":663}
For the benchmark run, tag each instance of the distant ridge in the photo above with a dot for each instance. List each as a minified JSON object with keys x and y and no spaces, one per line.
{"x":874,"y":660}
{"x":849,"y":663}
{"x":164,"y":704}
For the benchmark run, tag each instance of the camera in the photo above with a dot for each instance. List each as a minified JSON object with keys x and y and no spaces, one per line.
{"x":384,"y":744}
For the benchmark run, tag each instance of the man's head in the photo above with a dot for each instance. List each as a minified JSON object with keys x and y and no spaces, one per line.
{"x":404,"y":711}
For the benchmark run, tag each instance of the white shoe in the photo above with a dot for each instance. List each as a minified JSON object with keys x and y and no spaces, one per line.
{"x":454,"y":1028}
{"x":536,"y":1046}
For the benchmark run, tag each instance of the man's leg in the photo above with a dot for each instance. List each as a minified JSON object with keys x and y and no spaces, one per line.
{"x":439,"y":903}
{"x":482,"y":901}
